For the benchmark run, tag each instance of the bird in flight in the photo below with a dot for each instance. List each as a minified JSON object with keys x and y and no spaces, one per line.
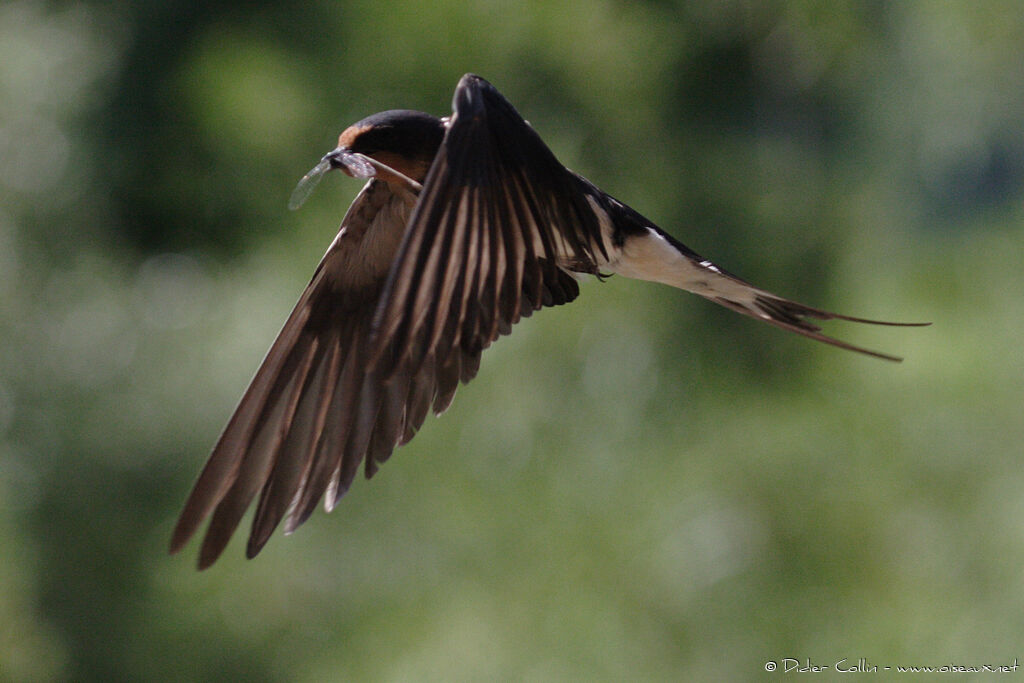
{"x":467,"y":223}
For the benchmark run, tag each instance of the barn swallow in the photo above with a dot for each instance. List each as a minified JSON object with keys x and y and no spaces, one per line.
{"x":467,"y":223}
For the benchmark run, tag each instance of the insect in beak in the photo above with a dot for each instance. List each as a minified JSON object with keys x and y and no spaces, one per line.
{"x":352,"y":163}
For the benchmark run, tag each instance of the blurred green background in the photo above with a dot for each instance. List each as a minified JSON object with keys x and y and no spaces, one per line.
{"x":637,"y":486}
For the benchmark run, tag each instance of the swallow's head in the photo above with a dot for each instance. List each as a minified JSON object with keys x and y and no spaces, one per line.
{"x":404,"y":140}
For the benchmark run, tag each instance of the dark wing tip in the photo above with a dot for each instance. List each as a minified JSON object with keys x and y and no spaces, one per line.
{"x":196,"y":509}
{"x":472,"y":80}
{"x":255,"y":544}
{"x":180,"y":537}
{"x":468,"y":98}
{"x":475,"y":96}
{"x":207,"y":558}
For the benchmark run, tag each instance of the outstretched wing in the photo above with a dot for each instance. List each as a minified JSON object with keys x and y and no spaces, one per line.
{"x":498,"y":228}
{"x":311,"y":410}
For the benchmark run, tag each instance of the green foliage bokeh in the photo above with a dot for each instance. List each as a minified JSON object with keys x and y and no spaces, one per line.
{"x":637,"y":486}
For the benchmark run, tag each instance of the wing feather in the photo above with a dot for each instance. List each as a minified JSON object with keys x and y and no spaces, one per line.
{"x":273,"y":424}
{"x":289,"y":472}
{"x":421,"y":395}
{"x":387,"y":431}
{"x":493,"y":182}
